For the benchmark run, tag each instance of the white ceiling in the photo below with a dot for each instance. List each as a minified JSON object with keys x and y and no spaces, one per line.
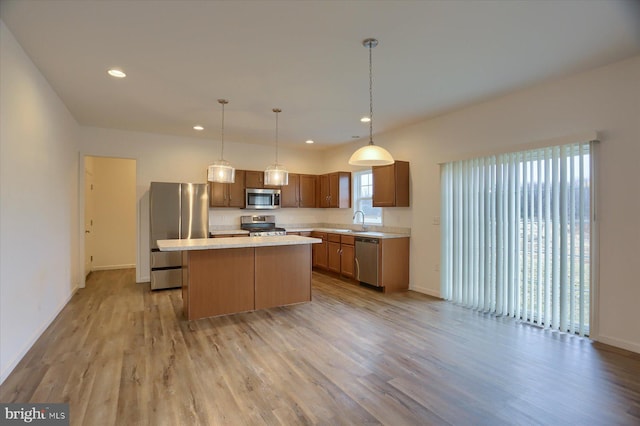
{"x":306,"y":58}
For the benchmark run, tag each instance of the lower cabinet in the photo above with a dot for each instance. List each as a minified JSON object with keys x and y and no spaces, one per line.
{"x":319,"y":255}
{"x":333,"y":249}
{"x":335,"y":254}
{"x":347,"y":256}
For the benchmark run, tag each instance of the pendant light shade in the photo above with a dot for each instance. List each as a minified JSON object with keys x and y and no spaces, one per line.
{"x":276,"y":174}
{"x":371,"y":155}
{"x":221,"y":171}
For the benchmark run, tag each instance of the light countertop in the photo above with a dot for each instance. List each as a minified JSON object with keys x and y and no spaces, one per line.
{"x":234,"y":242}
{"x":229,"y":232}
{"x":355,"y":233}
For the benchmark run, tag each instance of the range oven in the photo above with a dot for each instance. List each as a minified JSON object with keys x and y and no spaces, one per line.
{"x":262,"y":199}
{"x":261,"y":226}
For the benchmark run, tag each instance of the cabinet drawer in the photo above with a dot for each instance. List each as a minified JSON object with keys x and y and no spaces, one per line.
{"x":163,"y":259}
{"x":347,"y":239}
{"x":321,"y":235}
{"x":334,"y":238}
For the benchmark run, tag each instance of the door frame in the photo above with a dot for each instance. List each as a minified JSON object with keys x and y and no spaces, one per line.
{"x":81,"y":209}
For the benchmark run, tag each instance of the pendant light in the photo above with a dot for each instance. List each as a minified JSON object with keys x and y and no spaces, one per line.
{"x":276,"y":174}
{"x":221,"y":171}
{"x":371,"y":155}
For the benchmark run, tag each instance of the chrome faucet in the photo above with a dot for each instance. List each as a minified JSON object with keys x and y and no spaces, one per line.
{"x":364,"y":228}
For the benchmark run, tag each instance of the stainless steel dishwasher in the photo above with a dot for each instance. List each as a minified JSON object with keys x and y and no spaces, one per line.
{"x":367,"y":260}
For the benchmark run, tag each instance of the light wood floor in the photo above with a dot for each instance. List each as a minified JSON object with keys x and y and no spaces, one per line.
{"x":122,"y":355}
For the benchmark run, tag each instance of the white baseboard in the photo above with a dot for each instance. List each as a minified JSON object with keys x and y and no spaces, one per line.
{"x":9,"y":368}
{"x":619,"y":343}
{"x":112,"y":267}
{"x":144,"y":279}
{"x":425,"y":290}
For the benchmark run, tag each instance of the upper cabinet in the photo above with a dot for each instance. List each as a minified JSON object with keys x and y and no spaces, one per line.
{"x":300,"y":192}
{"x":255,"y":179}
{"x":228,"y":194}
{"x":391,"y":185}
{"x":334,"y":190}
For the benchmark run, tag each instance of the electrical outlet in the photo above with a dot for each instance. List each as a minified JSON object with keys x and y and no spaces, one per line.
{"x":437,"y":268}
{"x":436,"y":220}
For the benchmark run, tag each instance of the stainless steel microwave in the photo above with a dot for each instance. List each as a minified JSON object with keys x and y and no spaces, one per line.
{"x":262,"y":199}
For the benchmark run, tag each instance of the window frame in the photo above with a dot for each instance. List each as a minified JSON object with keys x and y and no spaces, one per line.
{"x":358,"y":198}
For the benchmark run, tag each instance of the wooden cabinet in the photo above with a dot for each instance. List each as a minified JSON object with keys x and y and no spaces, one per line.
{"x":393,"y":267}
{"x":290,"y":193}
{"x":319,"y":254}
{"x":255,"y":179}
{"x":301,"y":233}
{"x":334,"y":190}
{"x":337,"y":255}
{"x":300,"y":192}
{"x":391,"y":185}
{"x":333,"y":252}
{"x":307,"y":192}
{"x":228,"y":194}
{"x":347,"y":256}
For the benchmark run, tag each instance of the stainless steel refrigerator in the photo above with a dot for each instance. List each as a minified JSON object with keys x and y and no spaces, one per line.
{"x":176,"y":211}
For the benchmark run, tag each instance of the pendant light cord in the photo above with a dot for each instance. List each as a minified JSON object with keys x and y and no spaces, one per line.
{"x":222,"y":102}
{"x":370,"y":97}
{"x":277,"y":110}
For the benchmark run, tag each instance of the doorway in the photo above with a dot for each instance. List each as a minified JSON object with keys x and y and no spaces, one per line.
{"x":109,"y":213}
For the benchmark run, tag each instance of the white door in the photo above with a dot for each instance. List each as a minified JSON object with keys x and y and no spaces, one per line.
{"x":88,"y":221}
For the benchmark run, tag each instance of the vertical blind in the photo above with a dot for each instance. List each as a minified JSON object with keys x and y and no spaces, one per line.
{"x":516,"y":235}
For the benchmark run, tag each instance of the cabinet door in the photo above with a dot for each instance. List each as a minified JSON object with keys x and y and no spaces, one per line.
{"x":290,"y":194}
{"x":391,"y":185}
{"x":347,"y":266}
{"x":340,"y":190}
{"x":384,"y":194}
{"x":319,"y":250}
{"x":217,"y":194}
{"x":307,"y":191}
{"x":333,"y":189}
{"x":333,"y":250}
{"x":324,"y":190}
{"x":236,"y":197}
{"x":254,"y":179}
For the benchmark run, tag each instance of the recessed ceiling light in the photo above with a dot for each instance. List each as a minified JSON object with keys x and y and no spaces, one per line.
{"x":198,"y":128}
{"x":116,"y":72}
{"x":355,"y":137}
{"x":365,"y":119}
{"x":309,"y":141}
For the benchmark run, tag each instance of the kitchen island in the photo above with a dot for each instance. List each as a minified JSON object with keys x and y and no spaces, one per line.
{"x":223,"y":276}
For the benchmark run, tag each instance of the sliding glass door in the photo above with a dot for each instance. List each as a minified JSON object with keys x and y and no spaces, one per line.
{"x":516,"y":235}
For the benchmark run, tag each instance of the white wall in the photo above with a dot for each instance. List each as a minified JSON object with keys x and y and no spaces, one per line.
{"x":179,"y":159}
{"x":114,"y":217}
{"x":606,"y":100}
{"x":38,"y":213}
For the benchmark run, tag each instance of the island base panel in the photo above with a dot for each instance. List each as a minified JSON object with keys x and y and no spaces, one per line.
{"x":283,"y":275}
{"x":219,"y":282}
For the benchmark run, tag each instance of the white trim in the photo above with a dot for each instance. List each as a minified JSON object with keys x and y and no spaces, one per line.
{"x":143,"y":279}
{"x":587,"y":136}
{"x":594,"y":243}
{"x":425,"y":290}
{"x":21,"y":354}
{"x":112,"y":267}
{"x":619,"y":343}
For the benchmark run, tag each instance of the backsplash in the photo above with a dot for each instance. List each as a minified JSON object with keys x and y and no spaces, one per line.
{"x":229,"y":219}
